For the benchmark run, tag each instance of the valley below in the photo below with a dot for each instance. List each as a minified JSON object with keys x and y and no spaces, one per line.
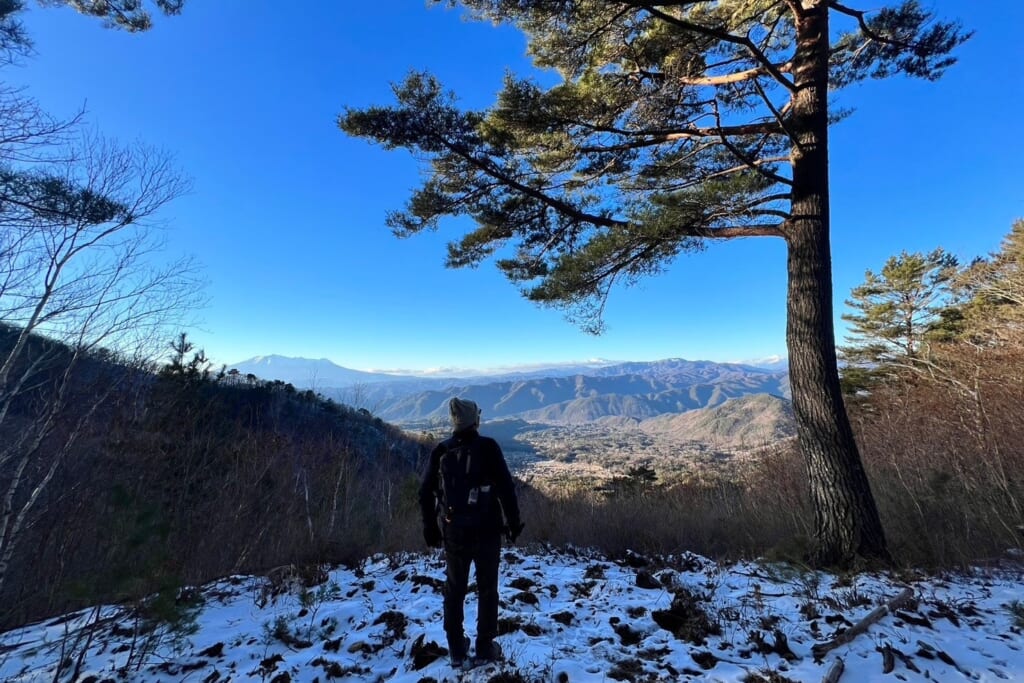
{"x":571,"y":427}
{"x":571,"y":457}
{"x":700,"y":444}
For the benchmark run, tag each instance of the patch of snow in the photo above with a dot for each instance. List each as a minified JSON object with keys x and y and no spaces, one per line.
{"x":571,"y":616}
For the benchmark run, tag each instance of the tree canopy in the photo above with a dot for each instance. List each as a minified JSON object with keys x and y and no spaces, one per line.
{"x":992,"y":293}
{"x":920,"y":307}
{"x":130,"y":15}
{"x":673,"y":123}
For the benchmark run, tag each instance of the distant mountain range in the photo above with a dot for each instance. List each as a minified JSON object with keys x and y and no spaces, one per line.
{"x":560,"y":394}
{"x":582,"y":399}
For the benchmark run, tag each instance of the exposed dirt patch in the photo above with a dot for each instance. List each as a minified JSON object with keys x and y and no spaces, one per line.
{"x":687,"y":619}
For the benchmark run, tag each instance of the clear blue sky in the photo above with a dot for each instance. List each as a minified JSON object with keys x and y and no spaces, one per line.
{"x":286,"y":215}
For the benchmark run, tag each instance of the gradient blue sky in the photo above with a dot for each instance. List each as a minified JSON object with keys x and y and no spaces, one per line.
{"x":286,"y":215}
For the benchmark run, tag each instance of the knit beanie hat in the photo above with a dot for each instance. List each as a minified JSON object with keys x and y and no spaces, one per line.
{"x":465,"y":414}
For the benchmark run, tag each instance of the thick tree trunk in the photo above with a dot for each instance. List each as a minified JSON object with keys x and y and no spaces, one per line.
{"x":846,"y":519}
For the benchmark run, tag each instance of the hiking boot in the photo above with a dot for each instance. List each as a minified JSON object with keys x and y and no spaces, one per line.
{"x":460,"y":660}
{"x":488,"y":652}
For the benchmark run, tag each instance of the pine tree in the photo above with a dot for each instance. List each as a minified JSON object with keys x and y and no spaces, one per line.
{"x":674,"y":123}
{"x":896,"y":308}
{"x":992,"y":295}
{"x":1003,"y":283}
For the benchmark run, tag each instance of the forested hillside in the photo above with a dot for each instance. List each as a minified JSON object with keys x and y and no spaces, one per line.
{"x":758,"y":420}
{"x":182,"y":474}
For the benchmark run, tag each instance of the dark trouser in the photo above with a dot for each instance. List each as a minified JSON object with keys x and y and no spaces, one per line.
{"x":462,"y":548}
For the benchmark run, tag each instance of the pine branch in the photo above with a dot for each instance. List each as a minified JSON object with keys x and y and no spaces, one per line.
{"x":654,"y":138}
{"x":737,"y":77}
{"x":723,"y":36}
{"x":859,"y":15}
{"x":732,"y":232}
{"x":489,"y":169}
{"x":746,"y":159}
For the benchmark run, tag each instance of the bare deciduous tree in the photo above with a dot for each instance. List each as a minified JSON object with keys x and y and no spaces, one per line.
{"x":80,"y":279}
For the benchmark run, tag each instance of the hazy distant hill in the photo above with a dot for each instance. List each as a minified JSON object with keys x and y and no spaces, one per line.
{"x":582,"y":399}
{"x":307,"y":373}
{"x":738,"y":423}
{"x":671,"y":400}
{"x":564,"y":394}
{"x":681,"y":371}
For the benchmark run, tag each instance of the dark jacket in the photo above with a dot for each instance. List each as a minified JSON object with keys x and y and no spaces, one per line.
{"x":493,"y":471}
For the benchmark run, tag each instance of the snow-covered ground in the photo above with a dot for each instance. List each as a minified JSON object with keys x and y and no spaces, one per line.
{"x":566,"y":616}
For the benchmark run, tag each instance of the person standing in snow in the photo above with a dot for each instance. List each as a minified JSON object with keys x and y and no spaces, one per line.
{"x":465,"y":492}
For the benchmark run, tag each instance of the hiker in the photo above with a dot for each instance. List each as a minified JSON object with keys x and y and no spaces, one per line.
{"x":465,"y":491}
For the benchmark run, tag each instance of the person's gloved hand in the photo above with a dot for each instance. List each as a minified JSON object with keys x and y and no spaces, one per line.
{"x":432,"y":535}
{"x":514,"y":529}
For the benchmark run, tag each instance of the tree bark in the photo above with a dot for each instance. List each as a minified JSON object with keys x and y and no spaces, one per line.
{"x":846,"y":521}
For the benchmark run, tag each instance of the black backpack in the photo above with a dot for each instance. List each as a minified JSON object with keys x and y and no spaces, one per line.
{"x":465,"y":494}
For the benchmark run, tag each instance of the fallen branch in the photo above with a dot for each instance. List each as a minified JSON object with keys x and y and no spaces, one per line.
{"x":821,"y":649}
{"x":834,"y":671}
